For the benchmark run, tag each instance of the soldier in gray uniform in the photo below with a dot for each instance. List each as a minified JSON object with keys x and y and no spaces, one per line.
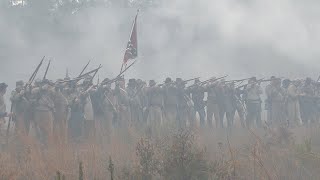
{"x":21,"y":109}
{"x":43,"y":111}
{"x":123,"y":105}
{"x":212,"y":104}
{"x":3,"y":109}
{"x":253,"y":102}
{"x":60,"y":114}
{"x":134,"y":101}
{"x":155,"y":107}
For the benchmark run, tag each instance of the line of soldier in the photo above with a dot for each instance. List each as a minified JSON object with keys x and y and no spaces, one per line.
{"x":67,"y":109}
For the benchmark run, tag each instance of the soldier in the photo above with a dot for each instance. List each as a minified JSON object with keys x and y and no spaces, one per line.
{"x":134,"y":101}
{"x":276,"y":95}
{"x":123,"y":105}
{"x":103,"y":106}
{"x":60,"y":115}
{"x":212,"y":104}
{"x":184,"y":105}
{"x":240,"y":107}
{"x":89,"y":124}
{"x":229,"y":103}
{"x":253,"y":102}
{"x":21,"y":109}
{"x":307,"y":103}
{"x":197,"y":93}
{"x":155,"y":106}
{"x":110,"y":112}
{"x":43,"y":111}
{"x":76,"y":119}
{"x":293,"y":106}
{"x":3,"y":112}
{"x":268,"y":100}
{"x":170,"y":101}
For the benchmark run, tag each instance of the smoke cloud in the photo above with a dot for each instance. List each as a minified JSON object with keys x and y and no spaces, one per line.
{"x":177,"y":38}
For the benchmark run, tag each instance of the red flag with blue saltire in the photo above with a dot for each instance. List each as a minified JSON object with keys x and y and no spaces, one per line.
{"x":132,"y":46}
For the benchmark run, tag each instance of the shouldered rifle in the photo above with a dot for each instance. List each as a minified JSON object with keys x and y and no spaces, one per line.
{"x":45,"y":74}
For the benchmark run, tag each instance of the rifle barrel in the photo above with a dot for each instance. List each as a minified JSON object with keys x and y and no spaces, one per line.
{"x":85,"y":67}
{"x":45,"y":74}
{"x":34,"y":74}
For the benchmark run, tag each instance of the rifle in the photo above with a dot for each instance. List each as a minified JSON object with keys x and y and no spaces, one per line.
{"x":257,"y":82}
{"x":209,"y":80}
{"x":85,"y":67}
{"x":34,"y":74}
{"x":127,"y":68}
{"x":213,"y":80}
{"x":238,"y":80}
{"x":45,"y":74}
{"x":82,"y":76}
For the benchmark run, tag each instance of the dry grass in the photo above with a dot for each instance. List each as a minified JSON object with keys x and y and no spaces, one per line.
{"x":186,"y":155}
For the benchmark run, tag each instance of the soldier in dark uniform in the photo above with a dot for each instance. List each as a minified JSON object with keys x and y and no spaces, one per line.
{"x":183,"y":105}
{"x":307,"y":102}
{"x":197,"y":94}
{"x":170,"y":101}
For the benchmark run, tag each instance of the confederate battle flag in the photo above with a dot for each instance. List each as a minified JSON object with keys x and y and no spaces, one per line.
{"x":132,"y":46}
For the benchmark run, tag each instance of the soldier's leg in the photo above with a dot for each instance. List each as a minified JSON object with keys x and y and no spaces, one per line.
{"x":222,"y":113}
{"x":230,"y":117}
{"x":209,"y":114}
{"x":216,"y":114}
{"x":202,"y":115}
{"x":240,"y":112}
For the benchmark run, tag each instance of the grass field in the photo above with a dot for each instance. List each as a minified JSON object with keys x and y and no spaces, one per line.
{"x":178,"y":155}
